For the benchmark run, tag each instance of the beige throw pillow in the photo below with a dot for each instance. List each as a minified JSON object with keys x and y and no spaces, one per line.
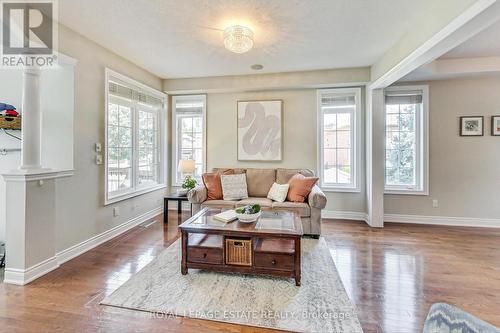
{"x":234,"y":187}
{"x":278,"y":192}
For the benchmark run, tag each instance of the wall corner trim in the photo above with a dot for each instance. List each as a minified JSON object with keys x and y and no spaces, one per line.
{"x":22,"y":277}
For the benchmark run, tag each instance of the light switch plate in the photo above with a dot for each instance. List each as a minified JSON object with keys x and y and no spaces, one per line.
{"x":98,"y":147}
{"x":98,"y":159}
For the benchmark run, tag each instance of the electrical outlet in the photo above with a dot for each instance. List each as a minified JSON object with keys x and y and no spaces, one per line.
{"x":116,"y":211}
{"x":435,"y":203}
{"x":98,"y":159}
{"x":98,"y":147}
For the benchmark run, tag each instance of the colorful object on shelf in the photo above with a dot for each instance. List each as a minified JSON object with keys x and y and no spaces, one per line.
{"x":4,"y":106}
{"x":9,"y":113}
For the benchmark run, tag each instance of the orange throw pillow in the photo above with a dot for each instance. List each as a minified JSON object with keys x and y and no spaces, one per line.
{"x":213,"y":184}
{"x":300,"y":187}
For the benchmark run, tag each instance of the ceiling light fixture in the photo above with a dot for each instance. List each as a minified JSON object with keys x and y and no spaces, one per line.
{"x":238,"y":39}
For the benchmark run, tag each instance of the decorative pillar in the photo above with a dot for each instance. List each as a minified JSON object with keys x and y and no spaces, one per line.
{"x":31,"y":145}
{"x":375,"y":156}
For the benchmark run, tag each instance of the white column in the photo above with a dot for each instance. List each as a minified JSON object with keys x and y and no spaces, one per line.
{"x":31,"y":121}
{"x":375,"y":138}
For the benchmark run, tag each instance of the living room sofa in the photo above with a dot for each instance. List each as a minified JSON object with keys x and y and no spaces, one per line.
{"x":259,"y":182}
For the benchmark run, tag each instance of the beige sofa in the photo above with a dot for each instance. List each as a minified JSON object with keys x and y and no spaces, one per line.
{"x":259,"y":181}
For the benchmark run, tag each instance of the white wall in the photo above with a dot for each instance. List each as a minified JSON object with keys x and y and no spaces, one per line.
{"x":80,"y":212}
{"x":57,"y":104}
{"x":10,"y":93}
{"x":464,"y":171}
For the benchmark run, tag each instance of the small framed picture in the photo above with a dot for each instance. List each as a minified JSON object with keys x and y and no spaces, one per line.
{"x":472,"y":126}
{"x":495,"y":125}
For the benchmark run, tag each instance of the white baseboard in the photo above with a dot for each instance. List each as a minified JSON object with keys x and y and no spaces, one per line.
{"x":416,"y":219}
{"x":22,"y":277}
{"x":443,"y":220}
{"x":344,"y":215}
{"x":78,"y":249}
{"x":25,"y":276}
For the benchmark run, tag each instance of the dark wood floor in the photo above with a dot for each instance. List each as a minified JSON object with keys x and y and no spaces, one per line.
{"x":393,"y":275}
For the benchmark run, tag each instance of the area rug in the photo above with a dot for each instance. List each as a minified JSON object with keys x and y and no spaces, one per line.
{"x":319,"y":305}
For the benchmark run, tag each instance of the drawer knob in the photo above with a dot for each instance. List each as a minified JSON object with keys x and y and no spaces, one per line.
{"x":204,"y":255}
{"x":273,"y":262}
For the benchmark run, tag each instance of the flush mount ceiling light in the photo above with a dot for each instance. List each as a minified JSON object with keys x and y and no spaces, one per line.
{"x":238,"y":39}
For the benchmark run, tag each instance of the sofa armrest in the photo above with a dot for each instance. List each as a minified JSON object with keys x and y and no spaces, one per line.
{"x":317,"y":198}
{"x":197,"y":195}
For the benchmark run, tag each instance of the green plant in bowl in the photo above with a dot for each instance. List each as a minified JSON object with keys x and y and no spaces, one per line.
{"x":189,"y":183}
{"x":249,"y":209}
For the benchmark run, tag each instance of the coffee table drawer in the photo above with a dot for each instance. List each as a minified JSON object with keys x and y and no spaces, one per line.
{"x":283,"y":262}
{"x":204,"y":255}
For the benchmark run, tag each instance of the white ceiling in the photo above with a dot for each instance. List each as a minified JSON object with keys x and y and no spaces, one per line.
{"x":479,"y":55}
{"x":484,"y":44}
{"x":175,"y":39}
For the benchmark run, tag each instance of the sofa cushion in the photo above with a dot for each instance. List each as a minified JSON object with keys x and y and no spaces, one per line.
{"x":236,"y":170}
{"x":263,"y":202}
{"x":284,"y":175}
{"x":278,"y":192}
{"x":213,"y":184}
{"x":219,"y":204}
{"x":301,"y":207}
{"x":300,"y":187}
{"x":234,"y":187}
{"x":259,"y":181}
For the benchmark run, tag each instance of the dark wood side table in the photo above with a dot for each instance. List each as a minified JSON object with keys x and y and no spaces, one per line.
{"x":174,"y":197}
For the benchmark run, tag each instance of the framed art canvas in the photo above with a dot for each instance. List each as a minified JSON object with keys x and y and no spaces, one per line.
{"x":472,"y":126}
{"x":260,"y":130}
{"x":495,"y":125}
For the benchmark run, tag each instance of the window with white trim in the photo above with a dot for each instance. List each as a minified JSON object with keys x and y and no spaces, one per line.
{"x":189,"y":134}
{"x":339,"y":138}
{"x":406,"y":142}
{"x":134,"y":138}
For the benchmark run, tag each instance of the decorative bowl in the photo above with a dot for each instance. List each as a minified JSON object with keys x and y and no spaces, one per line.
{"x":248,"y":218}
{"x":182,"y":191}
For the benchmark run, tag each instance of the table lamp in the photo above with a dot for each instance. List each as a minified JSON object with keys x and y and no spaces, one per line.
{"x":186,"y":168}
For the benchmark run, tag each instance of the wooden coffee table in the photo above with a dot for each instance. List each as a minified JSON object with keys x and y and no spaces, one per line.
{"x":270,"y":246}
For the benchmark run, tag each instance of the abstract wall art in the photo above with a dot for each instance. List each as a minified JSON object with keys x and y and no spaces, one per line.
{"x":260,"y":131}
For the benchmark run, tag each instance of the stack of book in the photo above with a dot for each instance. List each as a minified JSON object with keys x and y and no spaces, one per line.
{"x":226,"y":216}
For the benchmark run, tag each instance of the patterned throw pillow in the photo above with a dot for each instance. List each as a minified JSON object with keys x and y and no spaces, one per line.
{"x":234,"y":187}
{"x":213,"y":184}
{"x":300,"y":187}
{"x":278,"y":192}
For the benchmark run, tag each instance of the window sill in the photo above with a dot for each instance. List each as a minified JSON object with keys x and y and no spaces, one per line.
{"x":340,"y":189}
{"x":134,"y":194}
{"x":406,"y":192}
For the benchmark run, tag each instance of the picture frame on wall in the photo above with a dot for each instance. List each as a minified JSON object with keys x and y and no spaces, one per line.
{"x":495,"y":125}
{"x":260,"y":130}
{"x":472,"y":126}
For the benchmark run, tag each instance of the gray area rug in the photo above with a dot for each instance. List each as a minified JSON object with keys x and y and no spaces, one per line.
{"x":319,"y":305}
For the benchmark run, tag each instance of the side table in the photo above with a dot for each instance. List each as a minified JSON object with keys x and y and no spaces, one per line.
{"x":174,"y":197}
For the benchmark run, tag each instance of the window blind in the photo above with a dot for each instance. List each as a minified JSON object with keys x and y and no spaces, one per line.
{"x":338,"y":101}
{"x":403,"y":98}
{"x":118,"y":89}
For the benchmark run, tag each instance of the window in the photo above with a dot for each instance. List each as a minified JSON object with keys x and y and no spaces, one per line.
{"x":339,"y":138}
{"x":189,"y":134}
{"x":134,"y":138}
{"x":406,"y":142}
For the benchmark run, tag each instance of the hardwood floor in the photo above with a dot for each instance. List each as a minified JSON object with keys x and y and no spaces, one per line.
{"x":393,"y":275}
